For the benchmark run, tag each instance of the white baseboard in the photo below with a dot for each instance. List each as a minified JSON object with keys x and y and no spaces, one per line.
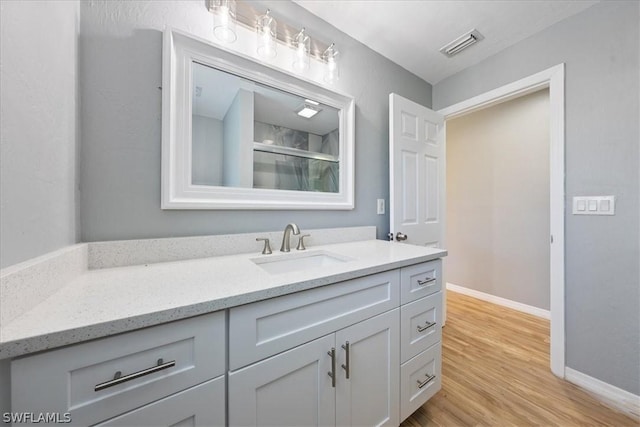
{"x":529,"y":309}
{"x":615,"y":397}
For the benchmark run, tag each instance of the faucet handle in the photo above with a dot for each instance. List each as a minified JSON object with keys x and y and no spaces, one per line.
{"x":267,"y":247}
{"x":301,"y":246}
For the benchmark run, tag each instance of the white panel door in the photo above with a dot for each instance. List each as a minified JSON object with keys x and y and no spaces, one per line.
{"x":369,"y":396}
{"x":416,"y":172}
{"x":290,"y":389}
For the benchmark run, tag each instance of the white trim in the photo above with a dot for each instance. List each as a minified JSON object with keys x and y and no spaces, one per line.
{"x":553,"y":78}
{"x":180,"y":52}
{"x":615,"y":397}
{"x":529,"y":309}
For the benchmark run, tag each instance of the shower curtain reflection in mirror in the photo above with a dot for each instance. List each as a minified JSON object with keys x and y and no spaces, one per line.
{"x":284,"y":172}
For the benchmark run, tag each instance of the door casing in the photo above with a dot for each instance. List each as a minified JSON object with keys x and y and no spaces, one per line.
{"x":553,"y":79}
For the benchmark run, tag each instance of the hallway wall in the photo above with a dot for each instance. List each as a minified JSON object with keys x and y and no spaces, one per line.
{"x":498,"y":200}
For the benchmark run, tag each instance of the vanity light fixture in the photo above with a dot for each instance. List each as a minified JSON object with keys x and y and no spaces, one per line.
{"x":308,"y":109}
{"x":330,"y":59}
{"x":224,"y":19}
{"x":227,"y":14}
{"x":302,"y":46}
{"x":266,"y":35}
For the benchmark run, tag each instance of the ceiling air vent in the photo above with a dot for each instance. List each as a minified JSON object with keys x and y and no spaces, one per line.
{"x":461,"y":43}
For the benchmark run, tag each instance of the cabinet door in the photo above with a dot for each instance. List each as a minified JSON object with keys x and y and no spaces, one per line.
{"x":202,"y":405}
{"x":290,"y":389}
{"x":370,"y":396}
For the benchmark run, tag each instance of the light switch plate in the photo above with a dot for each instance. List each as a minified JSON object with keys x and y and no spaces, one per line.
{"x":594,"y":205}
{"x":380,"y":208}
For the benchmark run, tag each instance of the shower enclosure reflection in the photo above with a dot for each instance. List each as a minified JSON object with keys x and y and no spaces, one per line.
{"x":248,"y":135}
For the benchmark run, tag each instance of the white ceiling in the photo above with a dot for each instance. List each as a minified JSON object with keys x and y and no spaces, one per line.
{"x":411,"y":32}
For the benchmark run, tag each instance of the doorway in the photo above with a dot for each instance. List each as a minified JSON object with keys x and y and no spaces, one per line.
{"x":553,"y":79}
{"x":498,"y":204}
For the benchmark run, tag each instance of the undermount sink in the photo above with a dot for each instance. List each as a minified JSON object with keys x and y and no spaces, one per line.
{"x":278,"y":264}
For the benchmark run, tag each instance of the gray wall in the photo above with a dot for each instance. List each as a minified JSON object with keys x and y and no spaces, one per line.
{"x":498,"y":200}
{"x":237,"y":151}
{"x":38,"y":143}
{"x":120,"y":64}
{"x":206,"y":146}
{"x":600,"y":48}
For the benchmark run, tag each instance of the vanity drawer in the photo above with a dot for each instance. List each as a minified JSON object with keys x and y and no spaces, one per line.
{"x":81,"y":379}
{"x":420,"y":280}
{"x":202,"y":405}
{"x":420,"y":325}
{"x":420,"y":379}
{"x":265,"y":328}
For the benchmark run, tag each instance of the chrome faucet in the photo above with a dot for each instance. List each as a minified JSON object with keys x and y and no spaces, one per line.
{"x":285,"y":247}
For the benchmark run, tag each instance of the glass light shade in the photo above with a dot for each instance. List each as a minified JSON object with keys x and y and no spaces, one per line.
{"x":301,"y":48}
{"x":224,"y":20}
{"x":266,"y":36}
{"x":332,"y":69}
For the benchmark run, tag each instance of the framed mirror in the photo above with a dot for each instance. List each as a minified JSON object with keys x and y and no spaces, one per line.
{"x":238,"y":134}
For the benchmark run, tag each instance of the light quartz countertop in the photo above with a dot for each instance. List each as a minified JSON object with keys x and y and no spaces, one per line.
{"x":102,"y":302}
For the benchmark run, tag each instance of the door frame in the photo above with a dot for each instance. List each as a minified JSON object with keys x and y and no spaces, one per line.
{"x":553,"y":79}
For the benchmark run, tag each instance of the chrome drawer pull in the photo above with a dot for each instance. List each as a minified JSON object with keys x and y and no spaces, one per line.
{"x":346,"y":348}
{"x":332,"y":374}
{"x":119,"y":379}
{"x":427,"y":381}
{"x":426,"y":326}
{"x":425,"y":281}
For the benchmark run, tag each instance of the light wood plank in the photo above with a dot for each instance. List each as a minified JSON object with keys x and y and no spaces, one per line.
{"x":495,"y":372}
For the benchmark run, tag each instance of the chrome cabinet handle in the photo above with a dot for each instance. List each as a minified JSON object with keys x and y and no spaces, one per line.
{"x":401,"y":236}
{"x":426,"y":326}
{"x":426,"y":280}
{"x":427,"y":381}
{"x":345,"y":366}
{"x":267,"y":247}
{"x":119,"y":379}
{"x":332,"y":373}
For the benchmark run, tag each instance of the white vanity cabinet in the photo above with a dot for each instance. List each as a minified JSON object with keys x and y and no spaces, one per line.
{"x":289,"y":356}
{"x":309,"y":342}
{"x":162,"y":367}
{"x":346,"y":378}
{"x":360,"y":352}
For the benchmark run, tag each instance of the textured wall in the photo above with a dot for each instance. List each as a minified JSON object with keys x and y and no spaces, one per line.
{"x":601,"y":49}
{"x":120,"y":64}
{"x":38,"y":144}
{"x":498,"y":200}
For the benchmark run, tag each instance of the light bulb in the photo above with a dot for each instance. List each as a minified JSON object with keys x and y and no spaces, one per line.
{"x":266,"y":31}
{"x":224,"y":24}
{"x":302,"y":46}
{"x":330,"y":58}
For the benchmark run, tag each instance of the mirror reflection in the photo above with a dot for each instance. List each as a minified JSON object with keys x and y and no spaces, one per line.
{"x":245,"y":134}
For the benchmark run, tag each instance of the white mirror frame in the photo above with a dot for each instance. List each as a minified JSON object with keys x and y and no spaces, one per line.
{"x":179,"y":53}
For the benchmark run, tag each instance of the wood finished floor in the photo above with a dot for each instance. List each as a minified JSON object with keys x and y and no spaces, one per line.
{"x":495,"y":372}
